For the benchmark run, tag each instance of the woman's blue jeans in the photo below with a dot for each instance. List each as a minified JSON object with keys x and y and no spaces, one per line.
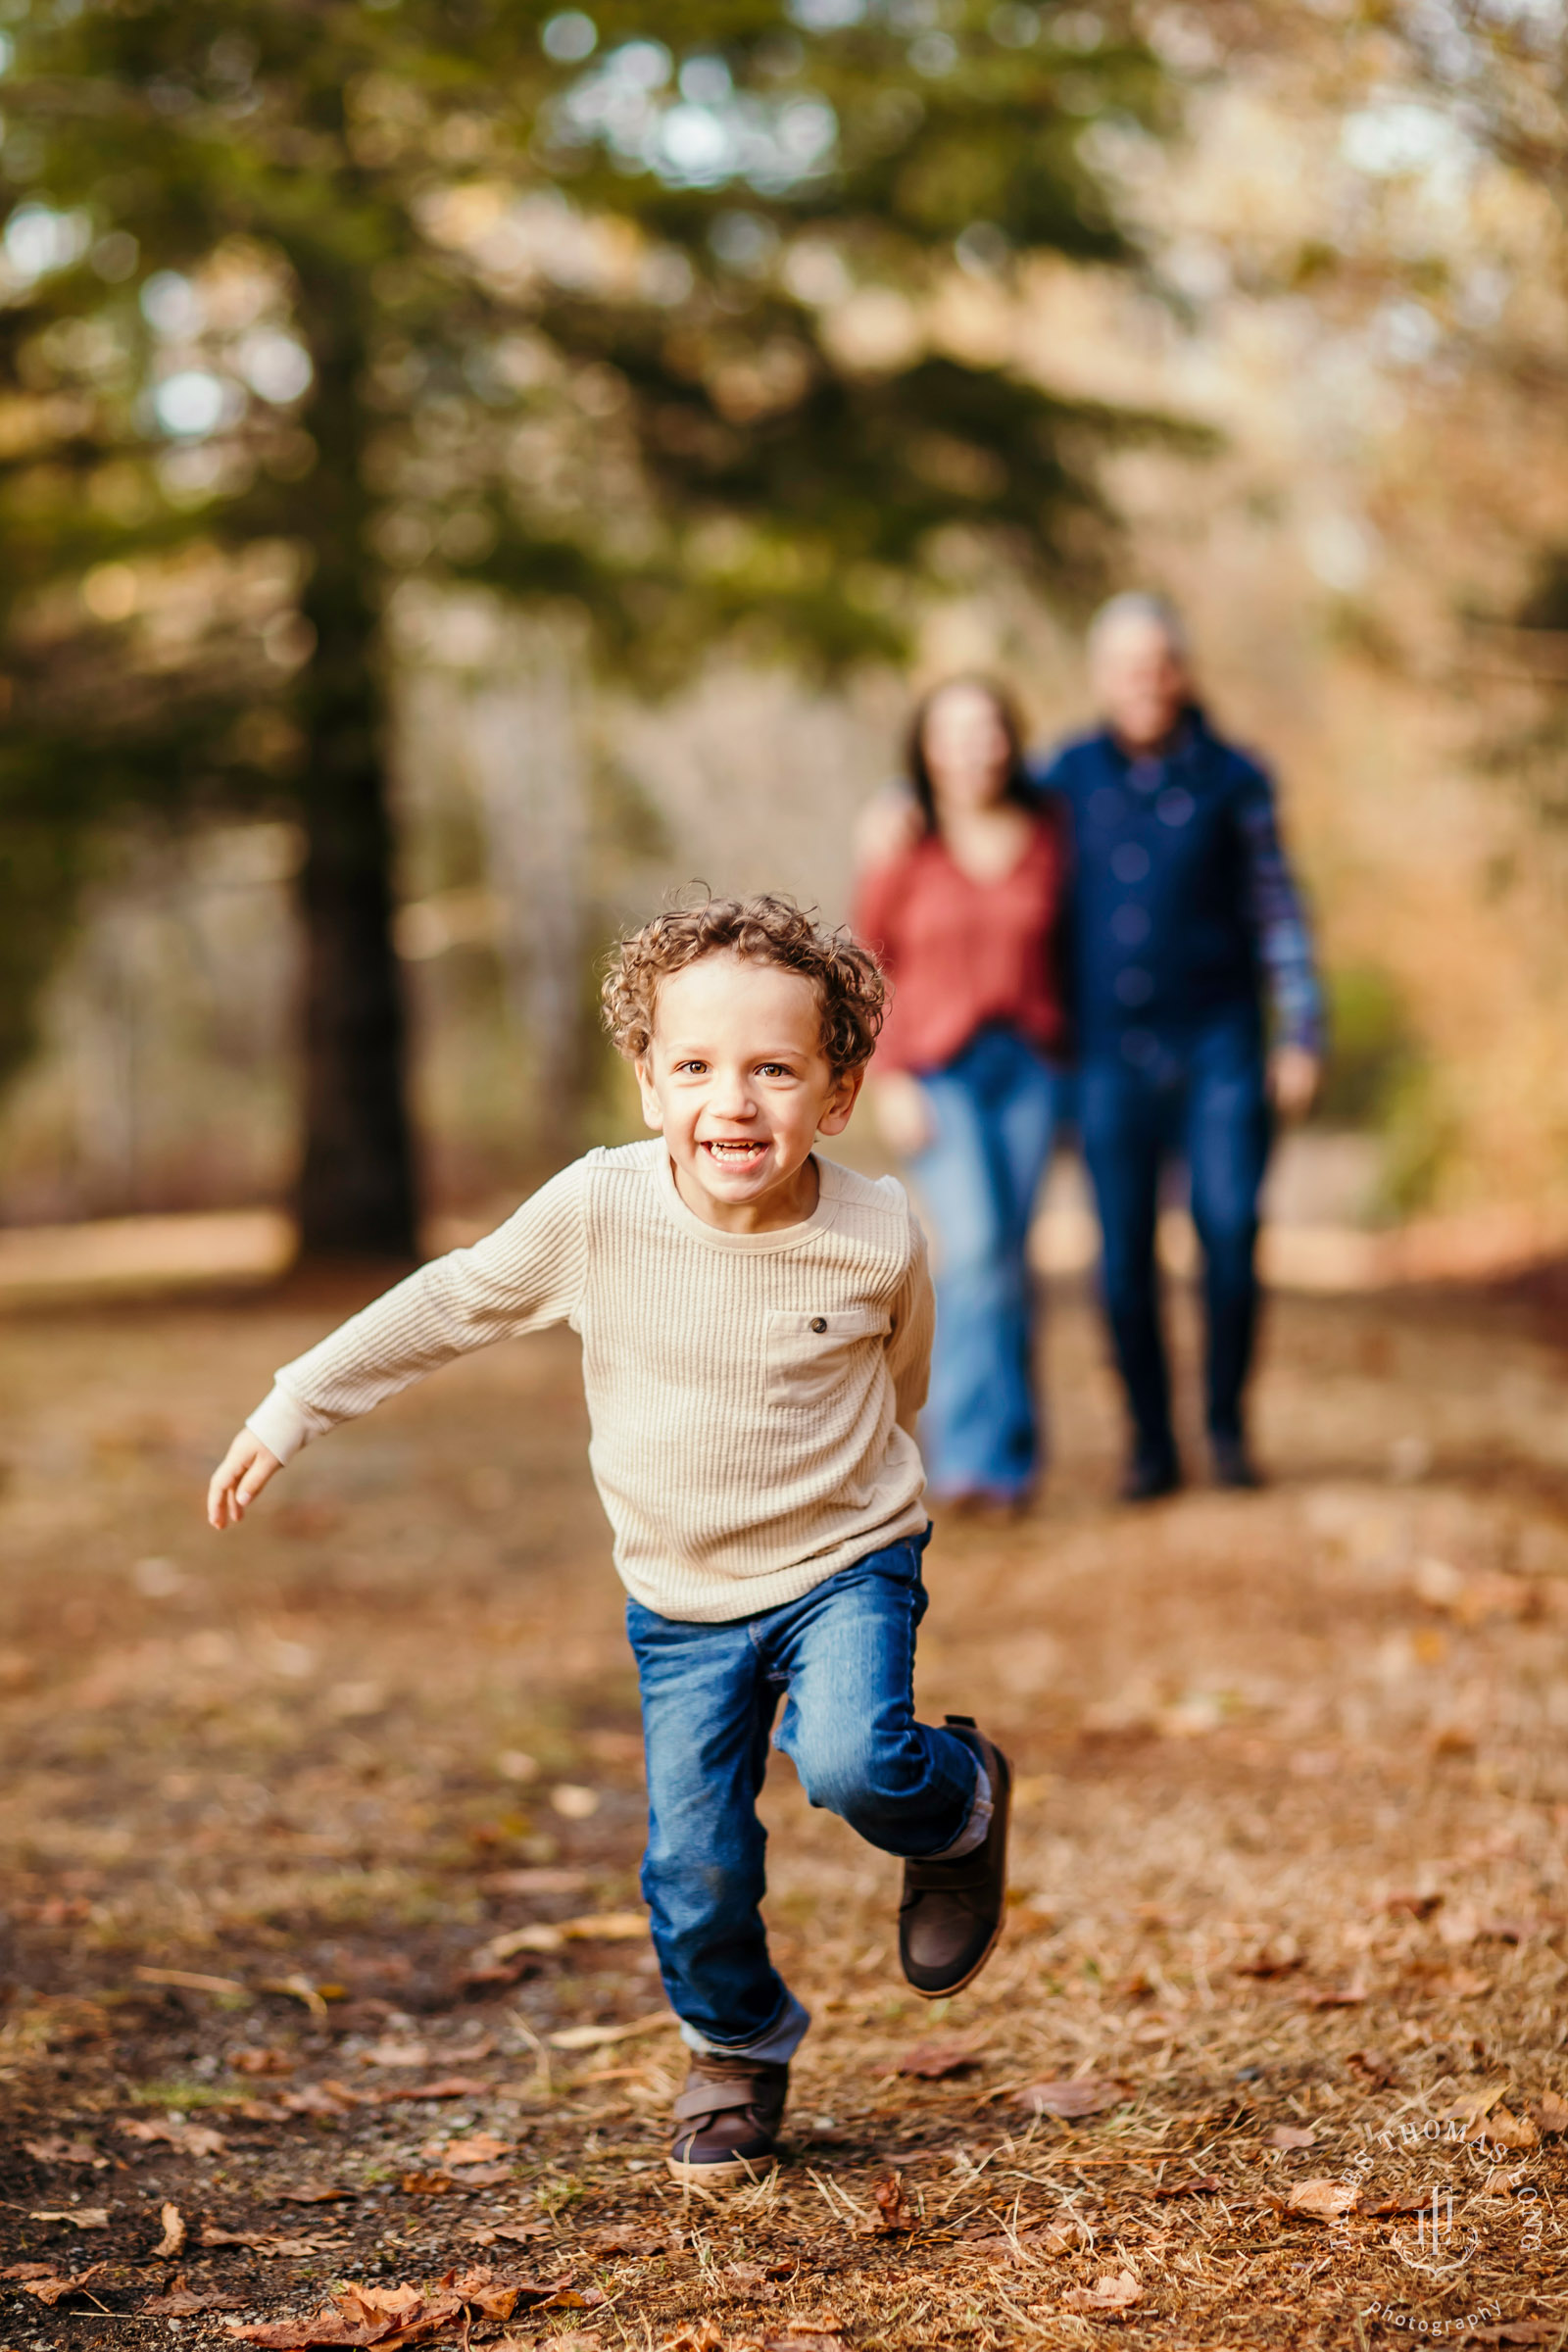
{"x":841,"y":1660}
{"x":995,"y":1113}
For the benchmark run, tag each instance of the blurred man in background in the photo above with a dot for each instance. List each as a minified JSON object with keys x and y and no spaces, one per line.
{"x":1184,"y":918}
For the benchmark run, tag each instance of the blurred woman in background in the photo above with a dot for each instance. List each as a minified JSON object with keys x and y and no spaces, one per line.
{"x":964,"y":916}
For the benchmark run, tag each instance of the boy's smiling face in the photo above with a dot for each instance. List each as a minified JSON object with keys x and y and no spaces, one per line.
{"x":736,"y":1081}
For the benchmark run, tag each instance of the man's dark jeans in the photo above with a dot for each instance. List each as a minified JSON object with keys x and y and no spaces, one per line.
{"x":1202,"y":1097}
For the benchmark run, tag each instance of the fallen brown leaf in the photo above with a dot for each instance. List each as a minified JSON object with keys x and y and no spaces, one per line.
{"x":496,"y":2297}
{"x":1118,"y":2290}
{"x":175,"y":2231}
{"x":259,"y":2241}
{"x":517,"y":2234}
{"x":80,"y":2217}
{"x":1197,"y":2184}
{"x":55,"y":2150}
{"x":46,"y":2286}
{"x":826,"y":2335}
{"x":313,"y":2192}
{"x":1372,"y":2066}
{"x":1518,"y":2332}
{"x":895,"y":2216}
{"x":394,"y":2315}
{"x":1474,"y":2107}
{"x":426,"y":2185}
{"x":183,"y":2302}
{"x":479,"y":2148}
{"x":1078,"y":2095}
{"x":395,"y":2053}
{"x":758,"y":2279}
{"x":1027,"y":2246}
{"x":694,"y":2336}
{"x":185,"y":2139}
{"x":330,"y":2325}
{"x":321,"y":2099}
{"x":1511,"y":2130}
{"x":624,"y":2240}
{"x":1290,"y":2135}
{"x":1549,"y":2114}
{"x":261,"y":2062}
{"x":937,"y":2061}
{"x":1321,"y":2200}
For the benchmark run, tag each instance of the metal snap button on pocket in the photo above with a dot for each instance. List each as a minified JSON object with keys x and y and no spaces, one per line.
{"x":819,"y":1322}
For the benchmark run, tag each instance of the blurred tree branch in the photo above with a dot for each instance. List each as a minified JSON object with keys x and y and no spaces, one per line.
{"x":307,"y":310}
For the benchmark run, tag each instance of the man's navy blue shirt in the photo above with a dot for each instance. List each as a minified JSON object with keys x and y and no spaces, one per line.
{"x":1182,"y":907}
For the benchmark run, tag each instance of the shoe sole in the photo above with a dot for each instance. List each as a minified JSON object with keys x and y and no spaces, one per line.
{"x":944,"y":1992}
{"x":734,"y":2173}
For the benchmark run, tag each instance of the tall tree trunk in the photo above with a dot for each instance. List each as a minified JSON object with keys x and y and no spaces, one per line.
{"x":356,"y":1187}
{"x":530,"y":763}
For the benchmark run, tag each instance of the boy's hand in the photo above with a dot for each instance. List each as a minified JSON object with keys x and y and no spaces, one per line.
{"x":238,"y":1479}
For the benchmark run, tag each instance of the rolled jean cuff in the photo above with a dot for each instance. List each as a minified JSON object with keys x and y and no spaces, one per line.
{"x":975,"y":1828}
{"x":777,"y":2045}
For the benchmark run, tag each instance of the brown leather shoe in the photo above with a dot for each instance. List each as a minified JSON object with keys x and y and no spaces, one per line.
{"x":726,"y":2121}
{"x":952,"y":1912}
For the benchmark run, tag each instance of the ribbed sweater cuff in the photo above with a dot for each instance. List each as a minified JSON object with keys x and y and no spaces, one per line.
{"x":281,"y":1424}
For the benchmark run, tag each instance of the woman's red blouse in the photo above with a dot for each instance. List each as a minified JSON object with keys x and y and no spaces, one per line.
{"x":964,"y":954}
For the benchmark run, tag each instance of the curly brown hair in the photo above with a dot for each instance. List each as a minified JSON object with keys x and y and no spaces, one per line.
{"x":770,"y":929}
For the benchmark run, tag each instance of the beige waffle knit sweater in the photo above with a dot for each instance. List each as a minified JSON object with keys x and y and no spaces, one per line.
{"x":752,"y":1396}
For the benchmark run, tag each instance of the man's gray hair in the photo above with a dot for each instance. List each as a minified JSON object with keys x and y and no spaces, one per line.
{"x":1143,"y":605}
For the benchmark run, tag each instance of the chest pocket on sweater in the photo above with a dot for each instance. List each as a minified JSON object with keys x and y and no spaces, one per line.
{"x":809,"y":1356}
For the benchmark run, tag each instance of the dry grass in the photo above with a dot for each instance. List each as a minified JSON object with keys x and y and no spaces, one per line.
{"x":1290,"y":1854}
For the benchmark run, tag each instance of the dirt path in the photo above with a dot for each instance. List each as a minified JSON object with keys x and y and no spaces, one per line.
{"x":1289,"y":1866}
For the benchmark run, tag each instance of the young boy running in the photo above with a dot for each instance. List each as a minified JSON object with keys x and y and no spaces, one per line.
{"x":755,"y":1324}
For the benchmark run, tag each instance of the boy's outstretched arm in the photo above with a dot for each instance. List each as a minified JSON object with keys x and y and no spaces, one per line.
{"x":238,"y":1479}
{"x":526,"y":1274}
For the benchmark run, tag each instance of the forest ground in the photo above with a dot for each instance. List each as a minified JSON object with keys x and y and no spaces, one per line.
{"x":1290,"y":1905}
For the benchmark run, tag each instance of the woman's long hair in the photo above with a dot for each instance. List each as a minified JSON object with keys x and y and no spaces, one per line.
{"x":1017,"y":788}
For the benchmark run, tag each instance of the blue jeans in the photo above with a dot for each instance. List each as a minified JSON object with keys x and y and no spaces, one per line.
{"x":1202,"y":1097}
{"x":841,"y":1658}
{"x":993,"y":1109}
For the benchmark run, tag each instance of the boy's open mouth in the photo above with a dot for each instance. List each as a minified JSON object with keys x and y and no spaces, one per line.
{"x":738,"y":1152}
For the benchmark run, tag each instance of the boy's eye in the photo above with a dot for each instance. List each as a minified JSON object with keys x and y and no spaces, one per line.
{"x":774,"y":1069}
{"x":690,"y":1068}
